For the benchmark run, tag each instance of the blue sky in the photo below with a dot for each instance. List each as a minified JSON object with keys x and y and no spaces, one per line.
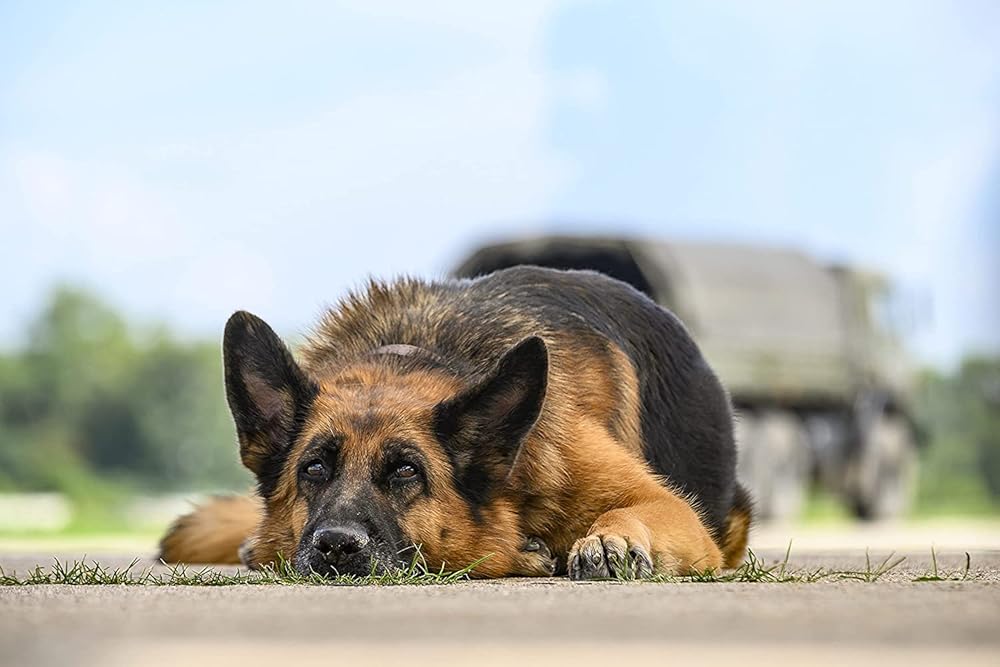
{"x":188,"y":159}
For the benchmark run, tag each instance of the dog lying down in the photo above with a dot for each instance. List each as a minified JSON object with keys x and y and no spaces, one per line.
{"x":555,"y":421}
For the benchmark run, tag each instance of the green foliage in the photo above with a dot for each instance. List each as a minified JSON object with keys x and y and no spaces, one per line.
{"x":92,"y":406}
{"x":961,"y":414}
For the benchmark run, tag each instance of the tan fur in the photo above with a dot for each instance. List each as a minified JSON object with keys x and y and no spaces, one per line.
{"x":213,"y":532}
{"x":734,"y":543}
{"x":614,"y":493}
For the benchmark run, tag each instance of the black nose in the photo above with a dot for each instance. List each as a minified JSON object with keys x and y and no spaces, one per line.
{"x":340,"y":540}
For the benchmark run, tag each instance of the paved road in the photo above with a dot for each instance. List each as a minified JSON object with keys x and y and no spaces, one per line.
{"x":894,"y":621}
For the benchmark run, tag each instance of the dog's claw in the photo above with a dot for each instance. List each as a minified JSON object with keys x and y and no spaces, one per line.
{"x":535,"y":544}
{"x":537,"y":559}
{"x":608,"y":557}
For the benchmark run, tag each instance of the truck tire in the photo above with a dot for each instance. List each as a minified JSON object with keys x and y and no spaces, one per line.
{"x":773,"y":462}
{"x":887,"y":474}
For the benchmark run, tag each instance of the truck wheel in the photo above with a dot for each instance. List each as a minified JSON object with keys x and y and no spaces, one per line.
{"x":887,"y":478}
{"x":773,"y":462}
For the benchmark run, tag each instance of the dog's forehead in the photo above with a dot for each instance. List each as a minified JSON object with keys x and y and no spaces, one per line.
{"x":367,"y":405}
{"x":369,"y":381}
{"x":362,"y":423}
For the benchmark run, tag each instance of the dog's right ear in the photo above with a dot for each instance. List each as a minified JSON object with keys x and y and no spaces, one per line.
{"x":482,"y":428}
{"x":267,"y":392}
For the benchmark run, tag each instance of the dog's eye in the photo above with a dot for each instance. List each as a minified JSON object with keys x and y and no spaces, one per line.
{"x":405,"y":472}
{"x":314,"y":470}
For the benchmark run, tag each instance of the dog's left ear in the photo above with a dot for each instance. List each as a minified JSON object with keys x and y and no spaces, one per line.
{"x":266,"y":390}
{"x":482,"y":428}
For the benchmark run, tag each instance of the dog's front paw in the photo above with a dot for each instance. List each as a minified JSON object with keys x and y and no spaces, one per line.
{"x":609,"y":557}
{"x":247,"y":555}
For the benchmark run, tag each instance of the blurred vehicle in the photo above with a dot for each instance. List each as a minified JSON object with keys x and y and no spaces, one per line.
{"x":808,"y":352}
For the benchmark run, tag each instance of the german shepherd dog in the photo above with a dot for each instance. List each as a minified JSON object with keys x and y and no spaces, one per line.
{"x":551,"y":421}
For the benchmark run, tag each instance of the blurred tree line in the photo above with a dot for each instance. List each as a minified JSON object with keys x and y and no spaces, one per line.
{"x":91,"y":402}
{"x":961,"y":413}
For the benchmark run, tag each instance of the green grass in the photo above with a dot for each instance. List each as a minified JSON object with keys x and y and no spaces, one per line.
{"x":936,"y":574}
{"x":80,"y":573}
{"x":753,"y":570}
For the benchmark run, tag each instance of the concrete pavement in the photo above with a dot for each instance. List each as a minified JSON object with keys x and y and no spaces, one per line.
{"x":550,"y":621}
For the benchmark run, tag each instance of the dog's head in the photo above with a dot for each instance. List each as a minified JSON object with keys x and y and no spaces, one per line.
{"x":360,"y":464}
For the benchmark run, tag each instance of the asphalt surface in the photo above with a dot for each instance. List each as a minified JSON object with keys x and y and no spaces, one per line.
{"x":548,"y":621}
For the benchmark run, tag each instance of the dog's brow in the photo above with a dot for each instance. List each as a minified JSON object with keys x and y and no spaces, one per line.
{"x":397,"y":448}
{"x":330,"y":443}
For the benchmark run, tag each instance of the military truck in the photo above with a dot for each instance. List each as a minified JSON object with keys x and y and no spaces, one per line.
{"x":818,"y":379}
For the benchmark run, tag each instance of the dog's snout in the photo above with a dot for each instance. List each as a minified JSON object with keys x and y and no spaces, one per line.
{"x":340,"y":540}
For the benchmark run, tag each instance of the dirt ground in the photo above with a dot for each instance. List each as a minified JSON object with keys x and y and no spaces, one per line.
{"x":550,"y":621}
